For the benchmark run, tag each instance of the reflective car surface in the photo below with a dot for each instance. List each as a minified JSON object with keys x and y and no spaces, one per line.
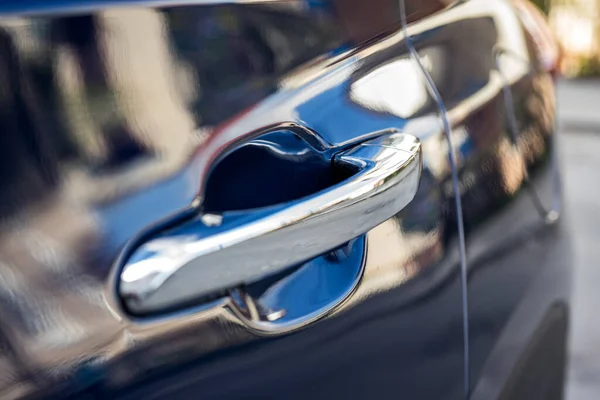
{"x":280,"y":199}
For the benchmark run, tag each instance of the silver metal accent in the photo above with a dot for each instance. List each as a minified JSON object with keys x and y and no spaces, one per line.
{"x":250,"y":310}
{"x":174,"y":270}
{"x":212,"y":219}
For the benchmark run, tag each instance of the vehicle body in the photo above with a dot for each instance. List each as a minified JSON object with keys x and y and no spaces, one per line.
{"x":241,"y":134}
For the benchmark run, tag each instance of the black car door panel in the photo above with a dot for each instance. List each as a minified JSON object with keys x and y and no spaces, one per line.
{"x":125,"y":122}
{"x":500,"y":106}
{"x":181,"y":183}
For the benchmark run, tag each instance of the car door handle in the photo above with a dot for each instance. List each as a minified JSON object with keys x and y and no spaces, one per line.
{"x":211,"y":254}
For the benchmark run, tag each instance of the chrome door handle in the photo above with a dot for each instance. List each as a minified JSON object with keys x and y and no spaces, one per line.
{"x":211,"y":254}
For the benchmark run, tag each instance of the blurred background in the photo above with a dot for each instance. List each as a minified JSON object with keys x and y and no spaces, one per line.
{"x":576,"y":25}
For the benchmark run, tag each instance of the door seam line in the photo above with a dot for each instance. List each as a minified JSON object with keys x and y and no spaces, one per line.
{"x":434,"y":93}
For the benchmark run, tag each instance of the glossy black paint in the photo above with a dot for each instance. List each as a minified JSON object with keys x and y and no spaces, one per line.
{"x":117,"y":116}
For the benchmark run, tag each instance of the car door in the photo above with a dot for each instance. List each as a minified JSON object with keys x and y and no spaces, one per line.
{"x":500,"y":107}
{"x":223,"y":201}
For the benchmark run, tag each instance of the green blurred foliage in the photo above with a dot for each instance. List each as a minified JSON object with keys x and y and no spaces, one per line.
{"x":589,"y":67}
{"x":543,"y":5}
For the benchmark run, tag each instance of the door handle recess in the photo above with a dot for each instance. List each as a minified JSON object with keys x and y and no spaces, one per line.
{"x":212,"y":254}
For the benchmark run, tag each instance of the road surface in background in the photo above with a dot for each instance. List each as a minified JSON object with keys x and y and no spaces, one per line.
{"x":579,"y":144}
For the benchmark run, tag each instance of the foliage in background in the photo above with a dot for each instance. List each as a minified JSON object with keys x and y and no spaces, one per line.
{"x":588,"y":67}
{"x":543,"y":5}
{"x":576,"y":63}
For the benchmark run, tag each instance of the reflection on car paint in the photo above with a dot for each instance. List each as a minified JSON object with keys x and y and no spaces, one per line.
{"x":114,"y":117}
